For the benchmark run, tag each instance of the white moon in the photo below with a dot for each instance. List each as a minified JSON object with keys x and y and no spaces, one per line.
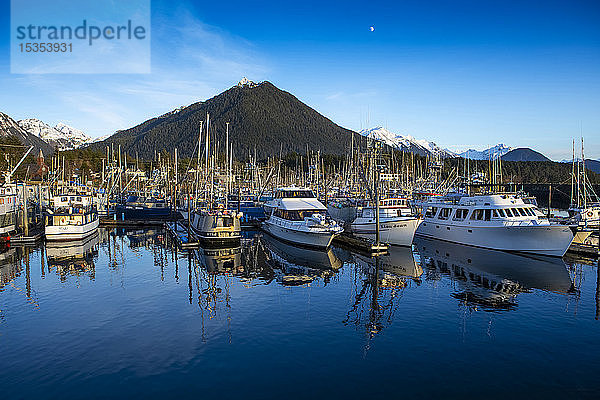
{"x":372,"y":28}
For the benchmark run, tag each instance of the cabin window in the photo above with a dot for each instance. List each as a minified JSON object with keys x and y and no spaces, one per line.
{"x":444,"y":213}
{"x":508,"y":212}
{"x":477,"y":214}
{"x":515,"y":212}
{"x":487,"y":214}
{"x":64,"y":199}
{"x":460,"y":214}
{"x":501,"y":213}
{"x":495,"y":213}
{"x":431,"y":211}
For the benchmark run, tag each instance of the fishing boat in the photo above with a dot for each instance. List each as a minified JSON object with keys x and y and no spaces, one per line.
{"x":497,"y":221}
{"x":397,"y":223}
{"x":71,"y":217}
{"x":584,"y":209}
{"x":216,"y":226}
{"x":297,"y":216}
{"x":143,"y":208}
{"x":8,"y":212}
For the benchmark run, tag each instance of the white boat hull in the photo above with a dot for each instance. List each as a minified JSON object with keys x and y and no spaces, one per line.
{"x":311,"y":239}
{"x":398,"y":232}
{"x":551,"y":240}
{"x":71,"y":232}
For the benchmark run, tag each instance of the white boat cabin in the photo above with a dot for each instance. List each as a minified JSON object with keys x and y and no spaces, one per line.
{"x":505,"y":209}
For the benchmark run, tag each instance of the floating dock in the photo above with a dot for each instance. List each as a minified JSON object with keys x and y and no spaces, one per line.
{"x":180,"y":234}
{"x":110,"y":222}
{"x":360,"y":244}
{"x":35,"y":235}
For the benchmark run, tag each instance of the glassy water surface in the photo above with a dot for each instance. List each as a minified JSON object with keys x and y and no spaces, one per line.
{"x":126,"y":314}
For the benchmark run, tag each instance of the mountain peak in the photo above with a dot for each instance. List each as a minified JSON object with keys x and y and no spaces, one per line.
{"x":62,"y":135}
{"x":493,"y":152}
{"x":245,"y":82}
{"x":405,"y":142}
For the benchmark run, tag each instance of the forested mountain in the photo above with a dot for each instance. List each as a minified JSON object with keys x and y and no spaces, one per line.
{"x":524,"y":154}
{"x":261,"y":116}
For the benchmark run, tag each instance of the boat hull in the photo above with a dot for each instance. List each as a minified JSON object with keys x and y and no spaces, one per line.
{"x":71,"y":232}
{"x":550,"y":240}
{"x":397,"y":232}
{"x":142,"y":213}
{"x":310,"y":239}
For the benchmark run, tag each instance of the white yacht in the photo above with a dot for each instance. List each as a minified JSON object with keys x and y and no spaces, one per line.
{"x":8,"y":212}
{"x":71,"y":217}
{"x":397,"y":224}
{"x":498,"y":221}
{"x":297,"y":216}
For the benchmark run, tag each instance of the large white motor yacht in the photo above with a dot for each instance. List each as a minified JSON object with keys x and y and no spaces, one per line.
{"x":71,"y":217}
{"x":397,"y":224}
{"x":499,"y":222}
{"x":297,"y":216}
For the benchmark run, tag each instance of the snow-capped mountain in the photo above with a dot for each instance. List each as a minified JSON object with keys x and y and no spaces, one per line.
{"x":493,"y":152}
{"x":62,"y":136}
{"x":245,"y":82}
{"x":10,"y":127}
{"x":406,"y":142}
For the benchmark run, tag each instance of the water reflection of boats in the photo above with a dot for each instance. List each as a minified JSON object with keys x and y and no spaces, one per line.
{"x":221,"y":260}
{"x":295,"y":265}
{"x":144,"y":237}
{"x":398,"y":262}
{"x":492,"y":278}
{"x":73,"y":258}
{"x":9,"y":269}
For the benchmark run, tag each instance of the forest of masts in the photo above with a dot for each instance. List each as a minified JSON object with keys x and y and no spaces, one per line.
{"x":213,"y":171}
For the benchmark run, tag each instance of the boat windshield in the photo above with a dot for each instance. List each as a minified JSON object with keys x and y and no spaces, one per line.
{"x":295,"y":194}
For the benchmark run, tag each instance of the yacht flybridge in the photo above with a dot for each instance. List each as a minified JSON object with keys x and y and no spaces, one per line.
{"x":297,"y":216}
{"x":498,"y":221}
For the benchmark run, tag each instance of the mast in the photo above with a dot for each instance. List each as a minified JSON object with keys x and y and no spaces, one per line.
{"x":583,"y":183}
{"x":573,"y":175}
{"x":227,"y":162}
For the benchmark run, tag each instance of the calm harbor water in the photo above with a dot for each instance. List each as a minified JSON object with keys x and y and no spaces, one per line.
{"x":125,"y":314}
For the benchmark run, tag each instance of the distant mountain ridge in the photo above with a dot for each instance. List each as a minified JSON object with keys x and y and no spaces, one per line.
{"x":62,"y":136}
{"x":406,"y":142}
{"x":10,"y":128}
{"x":495,"y":151}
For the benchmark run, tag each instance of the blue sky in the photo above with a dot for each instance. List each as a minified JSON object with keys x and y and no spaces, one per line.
{"x":465,"y":74}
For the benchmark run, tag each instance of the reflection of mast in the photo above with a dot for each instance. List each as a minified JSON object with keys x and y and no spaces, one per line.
{"x":380,"y":311}
{"x":598,"y":291}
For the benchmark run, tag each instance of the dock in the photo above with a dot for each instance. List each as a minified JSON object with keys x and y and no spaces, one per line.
{"x":360,"y":244}
{"x":115,"y":223}
{"x":35,"y":235}
{"x":180,"y":234}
